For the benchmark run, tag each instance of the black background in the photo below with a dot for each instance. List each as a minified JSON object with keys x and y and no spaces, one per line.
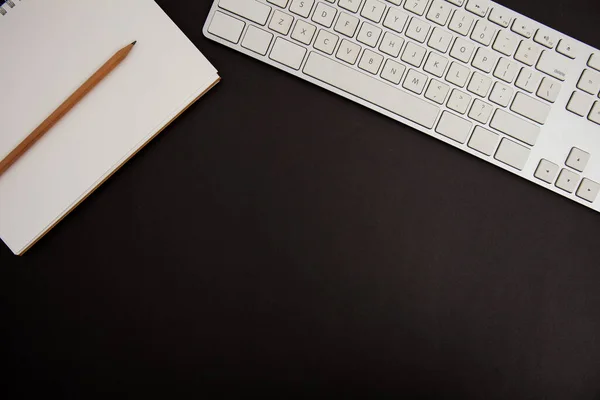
{"x":280,"y":238}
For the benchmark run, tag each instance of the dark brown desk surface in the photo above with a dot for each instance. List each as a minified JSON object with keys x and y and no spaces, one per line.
{"x":277,"y":236}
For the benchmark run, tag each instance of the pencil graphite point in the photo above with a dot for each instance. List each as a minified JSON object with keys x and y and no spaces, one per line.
{"x":134,"y":43}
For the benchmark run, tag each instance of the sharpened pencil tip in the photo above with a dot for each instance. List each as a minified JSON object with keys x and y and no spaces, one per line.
{"x":133,"y":44}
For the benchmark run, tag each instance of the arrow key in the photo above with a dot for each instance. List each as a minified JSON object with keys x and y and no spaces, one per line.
{"x":577,"y":159}
{"x":567,"y":180}
{"x":588,"y":190}
{"x":546,"y":171}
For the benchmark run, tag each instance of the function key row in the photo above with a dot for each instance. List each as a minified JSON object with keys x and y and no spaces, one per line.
{"x":519,"y":26}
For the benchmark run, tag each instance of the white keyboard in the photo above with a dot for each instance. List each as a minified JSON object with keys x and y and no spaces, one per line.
{"x":471,"y":73}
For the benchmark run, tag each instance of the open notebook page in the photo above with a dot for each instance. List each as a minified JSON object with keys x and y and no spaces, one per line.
{"x":50,"y":49}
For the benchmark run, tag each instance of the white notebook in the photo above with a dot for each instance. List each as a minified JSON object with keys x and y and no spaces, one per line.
{"x":49,"y":49}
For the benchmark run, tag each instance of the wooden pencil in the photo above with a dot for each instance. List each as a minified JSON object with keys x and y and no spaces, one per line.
{"x":65,"y":107}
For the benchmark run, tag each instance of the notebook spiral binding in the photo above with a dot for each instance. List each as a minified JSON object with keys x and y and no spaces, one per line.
{"x":4,"y":4}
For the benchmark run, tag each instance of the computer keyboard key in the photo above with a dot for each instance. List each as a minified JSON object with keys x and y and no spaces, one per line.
{"x":393,"y":71}
{"x":483,"y":32}
{"x":348,"y":52}
{"x":500,"y":17}
{"x":528,"y":53}
{"x":506,"y":70}
{"x":589,"y":82}
{"x":454,"y":127}
{"x":418,"y":30}
{"x":484,"y":141}
{"x":257,"y":40}
{"x":462,"y":50}
{"x":567,"y":181}
{"x":580,"y":104}
{"x":457,"y":2}
{"x":346,"y":24}
{"x":437,"y":91}
{"x":350,"y":5}
{"x":595,"y":113}
{"x":249,"y":9}
{"x":588,"y":190}
{"x":506,"y":43}
{"x":554,"y":65}
{"x":458,"y":74}
{"x":515,"y":127}
{"x":531,"y":108}
{"x":546,"y":171}
{"x":461,"y":22}
{"x":478,"y":7}
{"x":594,"y":61}
{"x":501,"y":94}
{"x":567,"y":48}
{"x":391,"y":44}
{"x":303,"y":32}
{"x":439,"y":11}
{"x":413,"y":54}
{"x":523,"y":28}
{"x":280,"y":3}
{"x":436,"y":64}
{"x":549,"y":90}
{"x":484,"y":60}
{"x":545,"y":38}
{"x":512,"y":154}
{"x":287,"y":53}
{"x":372,"y":90}
{"x":324,"y":15}
{"x":370,"y":61}
{"x":479,"y":84}
{"x":395,"y":20}
{"x":481,"y":111}
{"x":440,"y":40}
{"x":415,"y":81}
{"x":373,"y":10}
{"x":577,"y":159}
{"x":459,"y":101}
{"x":302,"y":7}
{"x":528,"y":80}
{"x":416,"y":6}
{"x":325,"y":42}
{"x":226,"y":27}
{"x":281,"y":22}
{"x":369,"y":34}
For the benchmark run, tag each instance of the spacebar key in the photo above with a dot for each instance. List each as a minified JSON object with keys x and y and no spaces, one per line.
{"x":371,"y":90}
